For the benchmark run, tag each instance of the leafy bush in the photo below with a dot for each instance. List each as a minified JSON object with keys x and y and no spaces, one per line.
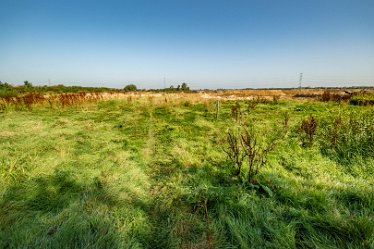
{"x":130,"y":87}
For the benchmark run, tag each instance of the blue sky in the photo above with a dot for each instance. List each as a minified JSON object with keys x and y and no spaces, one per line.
{"x":208,"y":44}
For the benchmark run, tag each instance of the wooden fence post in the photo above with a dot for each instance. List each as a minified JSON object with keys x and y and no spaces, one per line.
{"x":217,"y":108}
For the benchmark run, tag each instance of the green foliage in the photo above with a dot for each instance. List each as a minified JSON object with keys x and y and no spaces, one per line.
{"x":363,"y":99}
{"x":7,"y":90}
{"x":130,"y":88}
{"x":27,"y":85}
{"x":184,"y":87}
{"x":5,"y":86}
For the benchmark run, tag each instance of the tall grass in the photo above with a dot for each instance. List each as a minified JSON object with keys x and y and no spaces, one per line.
{"x":349,"y":138}
{"x":30,"y":100}
{"x":139,"y":172}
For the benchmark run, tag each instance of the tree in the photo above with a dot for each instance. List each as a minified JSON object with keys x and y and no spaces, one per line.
{"x":27,"y":84}
{"x":185,"y":87}
{"x":130,"y":87}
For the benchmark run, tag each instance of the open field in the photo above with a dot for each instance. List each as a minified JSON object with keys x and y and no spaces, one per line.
{"x":151,"y":170}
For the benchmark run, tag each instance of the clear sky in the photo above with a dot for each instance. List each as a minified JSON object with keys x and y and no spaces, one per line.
{"x":208,"y":44}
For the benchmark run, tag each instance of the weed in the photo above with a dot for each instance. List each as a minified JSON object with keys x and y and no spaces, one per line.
{"x":348,"y":139}
{"x":245,"y":148}
{"x":330,"y":96}
{"x":286,"y":120}
{"x":276,"y":99}
{"x":251,"y":104}
{"x":308,"y":129}
{"x":29,"y":100}
{"x":235,"y":111}
{"x":256,"y":155}
{"x":235,"y":152}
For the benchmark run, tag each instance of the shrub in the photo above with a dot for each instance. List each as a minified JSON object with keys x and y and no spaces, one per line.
{"x":246,"y":148}
{"x":256,"y":155}
{"x":130,"y":88}
{"x":27,"y":84}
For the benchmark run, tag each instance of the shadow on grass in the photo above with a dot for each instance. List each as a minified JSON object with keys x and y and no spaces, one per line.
{"x":310,"y":217}
{"x":175,"y":222}
{"x":333,"y":217}
{"x":63,"y":210}
{"x":56,"y":211}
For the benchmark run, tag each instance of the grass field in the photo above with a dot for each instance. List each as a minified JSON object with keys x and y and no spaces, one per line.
{"x":152,"y":172}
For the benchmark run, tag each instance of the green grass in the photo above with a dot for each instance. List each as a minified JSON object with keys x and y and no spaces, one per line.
{"x":143,"y":174}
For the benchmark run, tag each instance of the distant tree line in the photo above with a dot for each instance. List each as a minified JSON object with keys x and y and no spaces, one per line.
{"x":180,"y":88}
{"x":7,"y":89}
